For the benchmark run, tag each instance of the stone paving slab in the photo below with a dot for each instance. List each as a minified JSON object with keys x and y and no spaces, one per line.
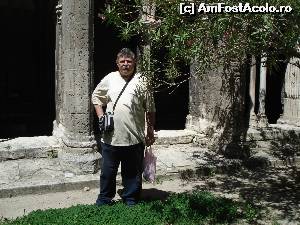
{"x":49,"y":185}
{"x":26,"y":176}
{"x":273,"y":132}
{"x":25,"y":169}
{"x":28,"y":147}
{"x":174,"y":137}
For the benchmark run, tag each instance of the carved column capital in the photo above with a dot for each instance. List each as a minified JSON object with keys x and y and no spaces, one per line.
{"x":58,"y":11}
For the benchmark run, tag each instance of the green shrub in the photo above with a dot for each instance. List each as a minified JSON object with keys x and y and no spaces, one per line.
{"x":179,"y":209}
{"x":197,"y":208}
{"x":91,"y":214}
{"x":250,"y":212}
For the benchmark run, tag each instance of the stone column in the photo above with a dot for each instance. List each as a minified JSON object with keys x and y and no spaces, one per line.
{"x":144,"y":48}
{"x":252,"y":86}
{"x":148,"y":18}
{"x":74,"y":86}
{"x":262,"y":93}
{"x":291,"y":94}
{"x":58,"y":54}
{"x":148,"y":13}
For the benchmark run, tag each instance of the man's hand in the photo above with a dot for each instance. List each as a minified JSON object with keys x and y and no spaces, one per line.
{"x":101,"y":124}
{"x":100,"y":113}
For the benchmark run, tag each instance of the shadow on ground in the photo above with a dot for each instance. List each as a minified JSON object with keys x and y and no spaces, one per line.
{"x":153,"y":194}
{"x":277,"y":189}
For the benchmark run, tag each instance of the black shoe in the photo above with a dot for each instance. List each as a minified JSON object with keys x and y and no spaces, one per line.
{"x":130,"y":203}
{"x":102,"y":203}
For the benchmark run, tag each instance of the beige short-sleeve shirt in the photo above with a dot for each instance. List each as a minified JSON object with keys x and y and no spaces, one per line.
{"x":129,"y":114}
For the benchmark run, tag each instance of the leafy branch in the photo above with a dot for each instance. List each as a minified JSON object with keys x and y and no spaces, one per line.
{"x":211,"y":40}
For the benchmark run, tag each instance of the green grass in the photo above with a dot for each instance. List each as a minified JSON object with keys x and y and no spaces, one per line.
{"x":179,"y":209}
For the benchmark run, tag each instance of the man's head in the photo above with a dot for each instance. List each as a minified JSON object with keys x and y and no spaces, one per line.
{"x":126,"y":62}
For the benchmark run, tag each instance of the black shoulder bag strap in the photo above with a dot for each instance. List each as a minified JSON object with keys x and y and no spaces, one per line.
{"x":121,"y":94}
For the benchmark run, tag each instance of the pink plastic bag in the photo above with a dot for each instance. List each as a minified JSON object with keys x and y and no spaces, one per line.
{"x":149,"y":165}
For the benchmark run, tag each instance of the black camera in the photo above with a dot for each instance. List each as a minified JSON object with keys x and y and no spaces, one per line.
{"x":106,"y":122}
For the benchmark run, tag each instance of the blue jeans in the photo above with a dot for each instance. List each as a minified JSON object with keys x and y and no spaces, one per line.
{"x":131,"y":159}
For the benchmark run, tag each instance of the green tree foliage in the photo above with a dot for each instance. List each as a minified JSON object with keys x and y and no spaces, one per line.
{"x":212,"y":39}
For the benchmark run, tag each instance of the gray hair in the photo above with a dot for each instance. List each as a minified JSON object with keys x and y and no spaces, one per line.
{"x":126,"y":52}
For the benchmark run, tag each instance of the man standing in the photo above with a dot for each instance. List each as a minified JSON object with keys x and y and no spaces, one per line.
{"x":127,"y":141}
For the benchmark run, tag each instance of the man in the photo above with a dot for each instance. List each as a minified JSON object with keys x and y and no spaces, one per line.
{"x":127,"y":141}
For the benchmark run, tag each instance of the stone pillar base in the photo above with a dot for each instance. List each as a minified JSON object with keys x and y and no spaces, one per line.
{"x":78,"y":153}
{"x":262,"y":121}
{"x":80,"y":161}
{"x":289,"y":121}
{"x":253,"y":120}
{"x":198,"y":124}
{"x":291,"y":114}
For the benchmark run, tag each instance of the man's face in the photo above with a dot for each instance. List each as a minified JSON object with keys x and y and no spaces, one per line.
{"x":126,"y":66}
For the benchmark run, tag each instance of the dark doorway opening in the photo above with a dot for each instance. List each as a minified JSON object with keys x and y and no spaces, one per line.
{"x":27,"y":71}
{"x":172,"y":101}
{"x":172,"y":106}
{"x":275,"y":80}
